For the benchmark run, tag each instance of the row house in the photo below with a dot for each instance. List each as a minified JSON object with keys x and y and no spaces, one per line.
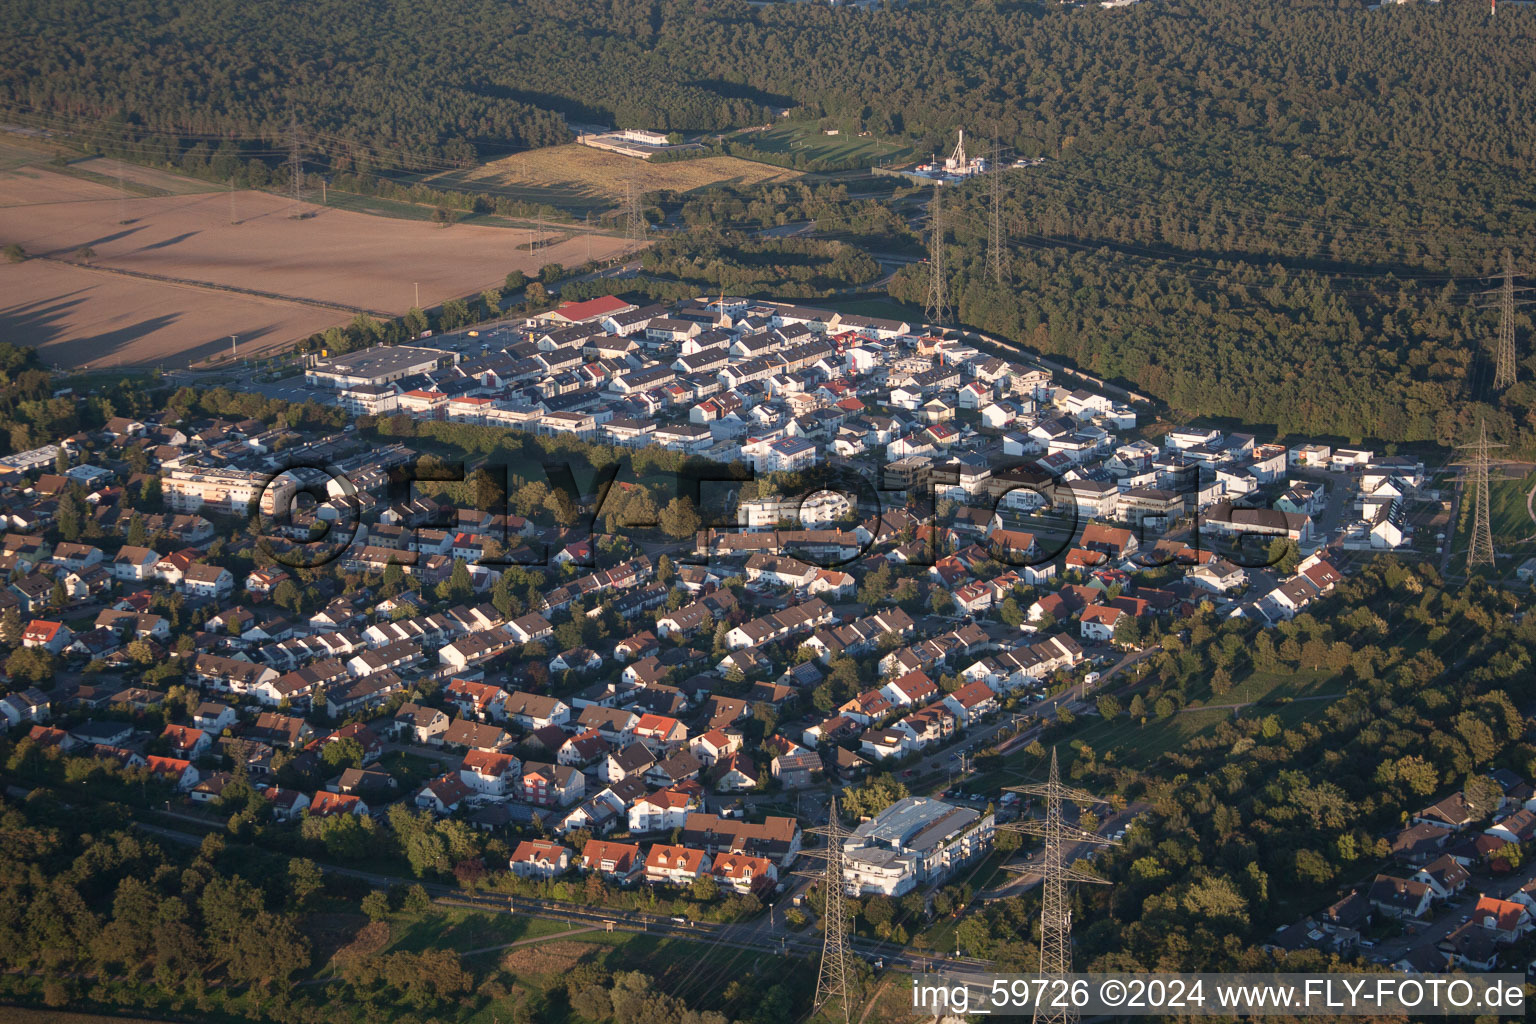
{"x":473,"y":649}
{"x":423,"y":629}
{"x":779,"y":625}
{"x":297,"y":650}
{"x":299,"y":686}
{"x":395,"y":657}
{"x":776,"y":838}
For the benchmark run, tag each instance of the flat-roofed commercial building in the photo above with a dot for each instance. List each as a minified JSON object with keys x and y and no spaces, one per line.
{"x":379,"y":365}
{"x":915,"y":841}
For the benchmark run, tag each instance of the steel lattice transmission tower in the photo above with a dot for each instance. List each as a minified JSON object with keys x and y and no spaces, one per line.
{"x":997,"y":255}
{"x":937,"y":310}
{"x":1504,"y":371}
{"x":838,"y":975}
{"x":634,"y":215}
{"x":1056,"y":905}
{"x":1480,"y":550}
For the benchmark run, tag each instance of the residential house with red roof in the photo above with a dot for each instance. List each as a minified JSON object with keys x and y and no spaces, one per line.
{"x":973,"y":598}
{"x":373,"y":747}
{"x":325,"y":804}
{"x":971,"y":703}
{"x":867,"y":707}
{"x":444,"y":794}
{"x":185,"y":741}
{"x":713,"y":745}
{"x":480,"y":701}
{"x":1098,"y":622}
{"x":49,"y":736}
{"x":911,"y":688}
{"x":489,"y":773}
{"x":1508,"y":920}
{"x":660,"y":733}
{"x":45,"y":633}
{"x":736,"y":773}
{"x":675,"y":865}
{"x":664,"y":809}
{"x":540,"y":858}
{"x":589,"y":311}
{"x":742,"y":873}
{"x":618,"y":861}
{"x":1115,"y":541}
{"x":181,"y":772}
{"x":584,"y":748}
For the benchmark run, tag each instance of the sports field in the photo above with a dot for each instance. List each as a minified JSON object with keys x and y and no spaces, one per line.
{"x":580,"y":178}
{"x":848,"y":149}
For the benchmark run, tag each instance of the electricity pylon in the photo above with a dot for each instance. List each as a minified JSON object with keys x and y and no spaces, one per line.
{"x":937,"y":310}
{"x":1504,"y":371}
{"x":1480,"y":550}
{"x":838,"y":974}
{"x":1056,"y":905}
{"x":997,"y":256}
{"x":634,"y":216}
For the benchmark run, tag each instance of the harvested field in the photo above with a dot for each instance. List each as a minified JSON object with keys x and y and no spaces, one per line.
{"x":149,"y":180}
{"x":197,"y":278}
{"x":29,"y":186}
{"x":579,"y":177}
{"x":86,"y":319}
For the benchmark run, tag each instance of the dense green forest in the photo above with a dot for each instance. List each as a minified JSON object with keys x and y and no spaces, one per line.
{"x":410,"y":81}
{"x":785,"y":268}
